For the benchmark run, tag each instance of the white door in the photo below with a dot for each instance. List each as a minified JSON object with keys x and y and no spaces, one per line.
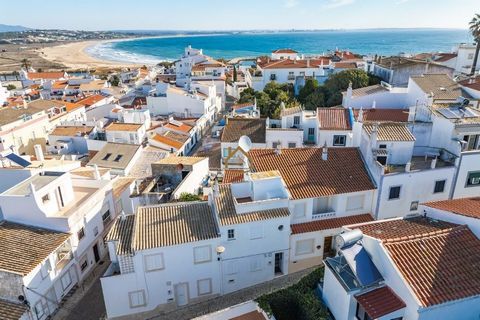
{"x":181,"y":294}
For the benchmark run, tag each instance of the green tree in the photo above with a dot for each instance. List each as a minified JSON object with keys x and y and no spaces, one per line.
{"x":115,"y":80}
{"x":315,"y":99}
{"x":247,"y":95}
{"x":474,"y":27}
{"x":185,"y":196}
{"x":11,"y":87}
{"x":339,"y":82}
{"x":307,"y":90}
{"x":25,"y":63}
{"x":235,"y":74}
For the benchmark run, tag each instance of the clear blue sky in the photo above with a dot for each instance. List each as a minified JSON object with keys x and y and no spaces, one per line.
{"x":237,"y":14}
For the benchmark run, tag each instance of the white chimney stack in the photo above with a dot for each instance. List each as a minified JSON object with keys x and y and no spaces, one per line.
{"x":38,"y":152}
{"x":325,"y":152}
{"x":374,"y":104}
{"x":96,"y":172}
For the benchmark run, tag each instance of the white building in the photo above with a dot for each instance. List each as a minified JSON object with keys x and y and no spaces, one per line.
{"x":130,"y":133}
{"x":375,"y":277}
{"x":4,"y":94}
{"x":70,"y":139}
{"x":120,"y":158}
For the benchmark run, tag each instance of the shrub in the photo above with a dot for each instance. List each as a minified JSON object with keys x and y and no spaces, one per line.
{"x":185,"y":196}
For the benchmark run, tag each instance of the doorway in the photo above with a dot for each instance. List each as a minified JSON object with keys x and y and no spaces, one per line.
{"x":279,"y":263}
{"x":327,"y":247}
{"x":181,"y":294}
{"x":95,"y":253}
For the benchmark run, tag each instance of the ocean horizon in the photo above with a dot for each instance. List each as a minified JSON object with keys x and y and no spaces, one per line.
{"x":230,"y":45}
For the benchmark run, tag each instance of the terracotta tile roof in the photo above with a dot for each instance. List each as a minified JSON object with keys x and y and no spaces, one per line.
{"x":11,"y":311}
{"x":60,"y":85}
{"x":253,"y":315}
{"x":230,"y":176}
{"x":95,"y":85}
{"x":439,"y":267}
{"x":326,"y":224}
{"x":441,"y":85}
{"x":380,"y":302}
{"x":390,"y":131}
{"x":295,"y":64}
{"x":379,"y":115}
{"x":333,"y":119}
{"x":71,"y":131}
{"x":242,"y":105}
{"x":442,"y":57}
{"x":179,"y":127}
{"x":472,"y":83}
{"x":173,"y":224}
{"x":181,"y":160}
{"x":122,"y":231}
{"x":120,"y":184}
{"x":46,"y":104}
{"x":171,"y":138}
{"x":402,"y":228}
{"x":287,"y":50}
{"x":228,"y":215}
{"x":308,"y":176}
{"x":45,"y":75}
{"x":469,"y":207}
{"x":72,"y":105}
{"x":120,"y":126}
{"x":90,"y":100}
{"x":290,"y":111}
{"x":255,"y":129}
{"x":345,"y":65}
{"x":365,"y":91}
{"x":24,"y":247}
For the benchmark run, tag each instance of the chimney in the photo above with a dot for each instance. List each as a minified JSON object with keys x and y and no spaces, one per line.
{"x":96,"y":172}
{"x":349,"y":94}
{"x":360,"y":115}
{"x":32,"y":188}
{"x":408,"y":166}
{"x":434,"y":163}
{"x":38,"y":152}
{"x":308,"y":63}
{"x":374,"y":104}
{"x":374,"y":135}
{"x":278,"y":151}
{"x":325,"y":152}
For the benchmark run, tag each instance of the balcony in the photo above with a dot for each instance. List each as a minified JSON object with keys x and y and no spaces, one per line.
{"x":64,"y":256}
{"x":327,"y":214}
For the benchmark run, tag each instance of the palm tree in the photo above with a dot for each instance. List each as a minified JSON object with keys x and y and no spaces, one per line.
{"x":25,"y":63}
{"x":475,"y":30}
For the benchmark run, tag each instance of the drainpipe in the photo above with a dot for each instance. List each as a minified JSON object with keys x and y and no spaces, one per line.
{"x":455,"y":177}
{"x":380,"y":185}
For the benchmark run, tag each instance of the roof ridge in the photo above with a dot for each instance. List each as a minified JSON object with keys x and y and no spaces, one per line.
{"x":427,"y":235}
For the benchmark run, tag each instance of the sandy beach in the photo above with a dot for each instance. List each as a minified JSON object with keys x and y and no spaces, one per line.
{"x":73,"y":56}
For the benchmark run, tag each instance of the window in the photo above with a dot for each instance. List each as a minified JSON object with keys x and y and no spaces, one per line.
{"x":382,"y":146}
{"x":473,"y":179}
{"x":256,"y":232}
{"x":355,"y":202}
{"x":84,"y":264}
{"x":136,"y":298}
{"x":45,"y":269}
{"x":66,"y":280}
{"x":108,"y":155}
{"x":292,"y":145}
{"x":46,"y":198}
{"x":95,"y":231}
{"x":304,"y":247}
{"x":339,"y":140}
{"x":273,"y":76}
{"x":204,"y":286}
{"x":81,"y":234}
{"x":256,"y":263}
{"x":394,"y":193}
{"x":439,"y":186}
{"x":231,"y":234}
{"x":202,"y":254}
{"x":470,"y":56}
{"x":41,"y":309}
{"x":296,"y":120}
{"x":106,"y":217}
{"x":225,"y":152}
{"x":414,"y":206}
{"x":311,"y":134}
{"x":275,"y":145}
{"x":117,"y":158}
{"x":154,"y":262}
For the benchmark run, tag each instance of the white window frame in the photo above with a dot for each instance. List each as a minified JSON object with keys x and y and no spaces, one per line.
{"x":198,"y":261}
{"x":140,"y":294}
{"x":209,"y":286}
{"x":158,"y":258}
{"x":311,"y":243}
{"x":232,"y":232}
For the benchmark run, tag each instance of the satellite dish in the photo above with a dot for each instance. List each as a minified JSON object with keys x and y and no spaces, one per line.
{"x":245,"y":143}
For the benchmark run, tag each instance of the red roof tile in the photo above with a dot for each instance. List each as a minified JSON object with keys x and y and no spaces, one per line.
{"x":472,"y":83}
{"x":308,"y":176}
{"x":379,"y":115}
{"x":469,"y":207}
{"x":284,"y":51}
{"x":230,"y":176}
{"x":380,"y":302}
{"x":295,"y":64}
{"x":442,"y":57}
{"x":333,"y":119}
{"x":45,"y":75}
{"x":255,"y":129}
{"x":90,"y":100}
{"x":327,"y":224}
{"x":402,"y":228}
{"x":253,"y":315}
{"x":439,"y":267}
{"x":345,"y":65}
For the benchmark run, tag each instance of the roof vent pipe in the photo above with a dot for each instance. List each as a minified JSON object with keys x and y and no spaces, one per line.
{"x":324,"y":152}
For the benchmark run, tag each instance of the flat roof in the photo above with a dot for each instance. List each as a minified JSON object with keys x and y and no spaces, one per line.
{"x":115,"y":155}
{"x":38,"y":181}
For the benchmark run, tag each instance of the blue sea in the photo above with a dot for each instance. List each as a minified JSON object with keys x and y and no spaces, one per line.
{"x":230,"y":45}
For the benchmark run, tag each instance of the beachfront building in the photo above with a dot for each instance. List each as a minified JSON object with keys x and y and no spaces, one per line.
{"x":29,"y":78}
{"x":4,"y":94}
{"x":374,"y":277}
